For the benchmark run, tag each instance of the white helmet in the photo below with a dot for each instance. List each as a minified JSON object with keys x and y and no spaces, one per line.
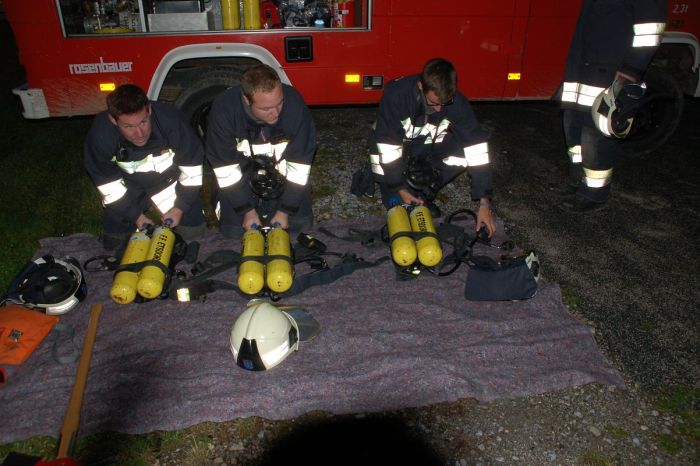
{"x":54,"y":286}
{"x":264,"y":335}
{"x":613,"y":109}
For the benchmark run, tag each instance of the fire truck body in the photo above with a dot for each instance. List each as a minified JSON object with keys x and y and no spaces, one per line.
{"x":75,"y":51}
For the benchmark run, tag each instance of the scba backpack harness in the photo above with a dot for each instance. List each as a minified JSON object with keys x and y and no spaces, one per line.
{"x":266,"y":266}
{"x":409,"y":231}
{"x":146,"y":265}
{"x":267,"y":271}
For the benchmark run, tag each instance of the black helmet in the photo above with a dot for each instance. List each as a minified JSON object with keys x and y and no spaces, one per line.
{"x":54,"y":286}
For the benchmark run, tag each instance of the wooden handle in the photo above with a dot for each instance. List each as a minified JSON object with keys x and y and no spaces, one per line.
{"x":72,"y":418}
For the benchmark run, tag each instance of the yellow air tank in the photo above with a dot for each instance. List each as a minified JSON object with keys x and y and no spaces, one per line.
{"x":152,"y":277}
{"x":251,"y":273}
{"x":279,"y":271}
{"x":403,"y":248}
{"x":251,"y":14}
{"x":429,"y":249}
{"x":124,"y":285}
{"x":231,"y":14}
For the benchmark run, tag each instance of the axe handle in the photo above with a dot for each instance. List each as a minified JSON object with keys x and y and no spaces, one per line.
{"x":69,"y":429}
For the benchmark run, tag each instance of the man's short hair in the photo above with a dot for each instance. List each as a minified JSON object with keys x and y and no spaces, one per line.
{"x":126,"y":100}
{"x":439,"y":75}
{"x":258,"y":78}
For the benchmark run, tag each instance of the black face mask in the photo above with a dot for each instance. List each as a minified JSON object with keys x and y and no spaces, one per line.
{"x":265,"y":181}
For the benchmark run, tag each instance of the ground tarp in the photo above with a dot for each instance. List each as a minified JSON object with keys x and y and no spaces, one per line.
{"x":384,"y":344}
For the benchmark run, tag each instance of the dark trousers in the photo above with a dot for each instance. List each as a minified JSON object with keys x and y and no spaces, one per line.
{"x":598,"y":152}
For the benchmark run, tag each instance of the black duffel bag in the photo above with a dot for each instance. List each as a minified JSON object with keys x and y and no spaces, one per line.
{"x":512,"y":279}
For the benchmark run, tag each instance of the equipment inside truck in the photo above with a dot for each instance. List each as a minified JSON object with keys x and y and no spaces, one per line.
{"x":139,"y":16}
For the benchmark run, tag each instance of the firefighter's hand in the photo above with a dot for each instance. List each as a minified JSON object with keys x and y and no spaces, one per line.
{"x":251,"y":220}
{"x":408,"y":198}
{"x":484,"y":218}
{"x":626,"y":76}
{"x":142,"y":222}
{"x":174,"y":215}
{"x":280,"y":220}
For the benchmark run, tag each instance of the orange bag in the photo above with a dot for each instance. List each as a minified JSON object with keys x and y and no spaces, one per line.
{"x":21,"y":331}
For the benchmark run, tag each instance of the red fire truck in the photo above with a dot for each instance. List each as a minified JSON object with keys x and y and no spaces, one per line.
{"x":332,"y":51}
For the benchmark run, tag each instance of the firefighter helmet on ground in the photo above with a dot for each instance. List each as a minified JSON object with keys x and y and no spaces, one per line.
{"x":54,"y":286}
{"x":263,"y":336}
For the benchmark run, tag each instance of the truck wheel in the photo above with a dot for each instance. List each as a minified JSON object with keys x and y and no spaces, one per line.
{"x":657,"y":120}
{"x":195,"y":101}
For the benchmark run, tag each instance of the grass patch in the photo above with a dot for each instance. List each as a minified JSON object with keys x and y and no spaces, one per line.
{"x":46,"y":191}
{"x":682,"y":401}
{"x":36,"y":446}
{"x":646,"y":325}
{"x":569,"y":298}
{"x":616,"y":432}
{"x":323,"y":191}
{"x":594,"y":458}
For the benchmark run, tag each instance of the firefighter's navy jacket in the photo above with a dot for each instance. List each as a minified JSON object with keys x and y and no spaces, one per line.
{"x":611,"y":36}
{"x":234,"y":137}
{"x":453,"y":135}
{"x":168,"y":168}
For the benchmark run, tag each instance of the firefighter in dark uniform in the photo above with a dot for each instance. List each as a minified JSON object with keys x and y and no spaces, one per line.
{"x":614,"y":41}
{"x":261,"y":140}
{"x":425,"y":136}
{"x":143,"y":155}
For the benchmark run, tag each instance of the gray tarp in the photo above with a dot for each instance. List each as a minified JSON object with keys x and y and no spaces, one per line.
{"x":384,"y":344}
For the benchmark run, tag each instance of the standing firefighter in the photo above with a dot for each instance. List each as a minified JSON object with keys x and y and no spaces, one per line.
{"x":612,"y":47}
{"x":426,"y":135}
{"x":261,"y":141}
{"x":143,"y":155}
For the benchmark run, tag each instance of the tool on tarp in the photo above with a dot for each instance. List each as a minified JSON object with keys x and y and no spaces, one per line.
{"x":71,"y":421}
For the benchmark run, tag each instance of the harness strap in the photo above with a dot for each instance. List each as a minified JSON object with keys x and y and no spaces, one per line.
{"x":348,"y":264}
{"x":368,"y":238}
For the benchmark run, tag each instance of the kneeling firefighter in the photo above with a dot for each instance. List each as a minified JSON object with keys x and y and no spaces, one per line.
{"x":425,"y":136}
{"x":261,"y":141}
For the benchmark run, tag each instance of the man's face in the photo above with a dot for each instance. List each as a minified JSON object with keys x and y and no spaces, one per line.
{"x":267,"y":106}
{"x":135,"y":127}
{"x":432,"y":101}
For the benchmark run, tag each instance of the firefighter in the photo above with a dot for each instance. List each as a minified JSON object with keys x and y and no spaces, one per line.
{"x":614,"y":41}
{"x":260,"y":142}
{"x":425,"y":136}
{"x":143,"y":156}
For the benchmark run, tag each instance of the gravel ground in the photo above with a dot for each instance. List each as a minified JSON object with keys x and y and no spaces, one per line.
{"x":589,"y":425}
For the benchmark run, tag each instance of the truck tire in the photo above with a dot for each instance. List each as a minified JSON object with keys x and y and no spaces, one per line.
{"x":195,"y":101}
{"x":657,"y":120}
